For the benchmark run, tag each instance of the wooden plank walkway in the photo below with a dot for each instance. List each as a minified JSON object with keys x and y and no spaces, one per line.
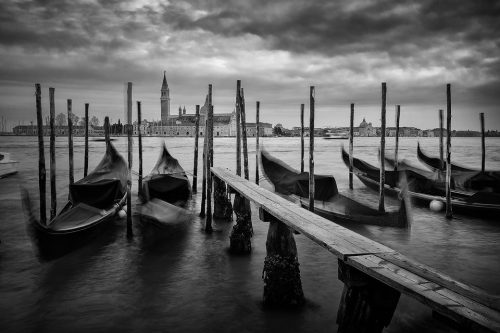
{"x":472,"y":308}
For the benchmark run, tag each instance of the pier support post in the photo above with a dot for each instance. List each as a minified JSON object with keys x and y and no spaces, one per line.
{"x":257,"y":133}
{"x":222,"y":205}
{"x":351,"y":147}
{"x":281,"y":273}
{"x":367,"y":305}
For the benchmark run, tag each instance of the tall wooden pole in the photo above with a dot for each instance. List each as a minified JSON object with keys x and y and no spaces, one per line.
{"x":398,"y":113}
{"x":238,"y":127}
{"x":86,"y":158}
{"x":311,"y":149}
{"x":381,"y":204}
{"x":204,"y":171}
{"x":351,"y":147}
{"x":107,"y":139}
{"x":129,"y":180}
{"x":139,"y":134}
{"x":41,"y":154}
{"x":53,"y":194}
{"x":441,"y":144}
{"x":449,"y":213}
{"x":210,"y":132}
{"x":196,"y":136}
{"x":257,"y":134}
{"x":244,"y":135}
{"x":301,"y":137}
{"x":70,"y":142}
{"x":483,"y":143}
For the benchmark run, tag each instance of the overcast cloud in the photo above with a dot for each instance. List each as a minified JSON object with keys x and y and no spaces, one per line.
{"x":87,"y":49}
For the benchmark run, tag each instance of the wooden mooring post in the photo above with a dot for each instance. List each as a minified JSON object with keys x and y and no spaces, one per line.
{"x":204,"y":172}
{"x":70,"y":141}
{"x":301,"y":137}
{"x":449,"y":213}
{"x":441,"y":144}
{"x":139,"y":137}
{"x":311,"y":149}
{"x":281,"y":273}
{"x":53,"y":192}
{"x":129,"y":178}
{"x":86,"y":153}
{"x":398,"y":111}
{"x":41,"y":155}
{"x":210,"y":156}
{"x":239,"y":240}
{"x":196,"y":136}
{"x":381,"y":204}
{"x":351,"y":147}
{"x":257,"y":135}
{"x":483,"y":143}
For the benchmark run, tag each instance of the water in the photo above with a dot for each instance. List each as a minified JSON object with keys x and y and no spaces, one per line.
{"x":187,"y":281}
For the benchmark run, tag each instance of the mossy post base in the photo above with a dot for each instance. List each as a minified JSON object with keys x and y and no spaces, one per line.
{"x":222,"y":205}
{"x":367,"y":305}
{"x":281,"y":274}
{"x":239,"y":241}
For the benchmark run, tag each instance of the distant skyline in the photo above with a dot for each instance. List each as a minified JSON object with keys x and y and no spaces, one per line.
{"x":88,"y":49}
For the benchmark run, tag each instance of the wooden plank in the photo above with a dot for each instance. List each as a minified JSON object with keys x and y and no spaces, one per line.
{"x":433,"y":275}
{"x":472,"y":315}
{"x":338,"y":240}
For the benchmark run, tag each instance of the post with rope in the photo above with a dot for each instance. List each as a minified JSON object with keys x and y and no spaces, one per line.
{"x":239,"y":241}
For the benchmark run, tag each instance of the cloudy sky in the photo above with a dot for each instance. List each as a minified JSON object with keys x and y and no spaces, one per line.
{"x":88,"y":49}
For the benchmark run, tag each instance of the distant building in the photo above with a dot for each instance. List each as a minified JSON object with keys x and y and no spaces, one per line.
{"x":59,"y":130}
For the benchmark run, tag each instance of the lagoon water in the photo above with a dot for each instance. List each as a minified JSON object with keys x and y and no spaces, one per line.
{"x":186,"y":281}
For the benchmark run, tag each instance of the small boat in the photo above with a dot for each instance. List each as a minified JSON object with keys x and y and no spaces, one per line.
{"x":425,"y":189}
{"x":7,"y":166}
{"x":336,"y":136}
{"x":93,"y":202}
{"x":465,"y":178}
{"x":165,"y":192}
{"x":328,"y":202}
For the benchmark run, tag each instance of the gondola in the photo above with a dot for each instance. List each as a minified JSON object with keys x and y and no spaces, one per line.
{"x":93,"y":202}
{"x":7,"y":166}
{"x":424,"y":189}
{"x":165,"y":192}
{"x":465,"y":178}
{"x":328,"y":202}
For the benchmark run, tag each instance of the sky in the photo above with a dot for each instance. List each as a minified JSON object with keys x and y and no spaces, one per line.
{"x":87,"y":50}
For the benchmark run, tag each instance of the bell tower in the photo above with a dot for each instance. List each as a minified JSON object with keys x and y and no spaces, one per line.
{"x":165,"y":99}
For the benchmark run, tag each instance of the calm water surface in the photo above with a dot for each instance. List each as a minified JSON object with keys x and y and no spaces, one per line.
{"x":186,"y":280}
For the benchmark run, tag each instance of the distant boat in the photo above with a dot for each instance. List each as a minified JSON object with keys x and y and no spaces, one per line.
{"x":7,"y":166}
{"x":336,"y":136}
{"x":103,"y":139}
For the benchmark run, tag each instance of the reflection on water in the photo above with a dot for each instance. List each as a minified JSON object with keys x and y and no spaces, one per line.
{"x":181,"y":279}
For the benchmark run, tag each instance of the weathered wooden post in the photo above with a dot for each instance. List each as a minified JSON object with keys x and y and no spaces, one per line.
{"x":239,"y":241}
{"x":244,"y":136}
{"x":139,"y":136}
{"x":381,"y":205}
{"x":53,"y":194}
{"x":301,"y":137}
{"x":204,"y":172}
{"x":257,"y":134}
{"x":86,"y":158}
{"x":41,"y":154}
{"x":210,"y":151}
{"x":107,"y":139}
{"x":351,"y":147}
{"x":367,"y":305}
{"x":483,"y":143}
{"x":281,"y":273}
{"x":441,"y":144}
{"x":197,"y":133}
{"x":70,"y":141}
{"x":398,"y":111}
{"x":129,"y":178}
{"x":449,"y":213}
{"x":311,"y":149}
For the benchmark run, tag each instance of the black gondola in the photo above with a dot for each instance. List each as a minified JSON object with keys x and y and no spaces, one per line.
{"x":424,"y":188}
{"x":328,"y":202}
{"x":165,"y":192}
{"x":93,"y":201}
{"x":465,"y":178}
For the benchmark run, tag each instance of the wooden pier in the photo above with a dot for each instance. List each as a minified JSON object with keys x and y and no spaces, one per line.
{"x":374,"y":274}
